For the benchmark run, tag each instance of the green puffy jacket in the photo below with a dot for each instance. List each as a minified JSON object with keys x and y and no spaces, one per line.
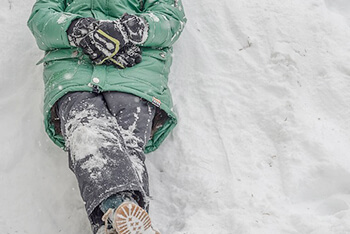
{"x":67,"y":69}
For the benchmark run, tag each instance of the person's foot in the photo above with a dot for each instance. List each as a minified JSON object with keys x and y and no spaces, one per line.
{"x":129,"y":218}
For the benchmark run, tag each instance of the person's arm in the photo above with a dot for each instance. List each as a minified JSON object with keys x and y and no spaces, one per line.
{"x":166,"y":20}
{"x":48,"y":23}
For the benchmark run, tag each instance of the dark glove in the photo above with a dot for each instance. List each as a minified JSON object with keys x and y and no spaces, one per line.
{"x":105,"y":41}
{"x":128,"y":56}
{"x":136,"y":28}
{"x":79,"y":29}
{"x":100,"y":40}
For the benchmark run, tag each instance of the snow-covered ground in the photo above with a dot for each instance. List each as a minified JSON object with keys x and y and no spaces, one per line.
{"x":262,"y":89}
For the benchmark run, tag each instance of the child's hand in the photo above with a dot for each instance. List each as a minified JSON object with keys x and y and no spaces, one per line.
{"x":103,"y":41}
{"x":128,"y":56}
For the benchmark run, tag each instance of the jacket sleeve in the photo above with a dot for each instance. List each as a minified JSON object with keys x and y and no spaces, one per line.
{"x":166,"y":20}
{"x":48,"y":23}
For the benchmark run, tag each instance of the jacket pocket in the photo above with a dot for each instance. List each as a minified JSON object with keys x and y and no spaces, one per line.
{"x":151,"y":73}
{"x":60,"y":54}
{"x":60,"y":68}
{"x":162,"y":55}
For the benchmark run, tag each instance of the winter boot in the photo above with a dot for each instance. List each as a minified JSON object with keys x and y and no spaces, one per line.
{"x":129,"y":218}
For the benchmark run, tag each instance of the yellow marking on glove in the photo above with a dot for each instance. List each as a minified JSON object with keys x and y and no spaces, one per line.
{"x":115,"y":61}
{"x":116,"y":42}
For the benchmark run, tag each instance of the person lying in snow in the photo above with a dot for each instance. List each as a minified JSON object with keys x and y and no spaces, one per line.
{"x":107,"y":101}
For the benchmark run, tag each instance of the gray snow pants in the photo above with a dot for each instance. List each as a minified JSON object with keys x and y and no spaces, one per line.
{"x":105,"y":135}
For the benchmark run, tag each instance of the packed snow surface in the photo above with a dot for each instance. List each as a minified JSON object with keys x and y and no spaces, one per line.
{"x":262,"y":90}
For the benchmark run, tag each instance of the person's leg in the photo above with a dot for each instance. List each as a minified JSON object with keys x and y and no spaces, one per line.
{"x":135,"y":119}
{"x":98,"y":154}
{"x":134,"y":116}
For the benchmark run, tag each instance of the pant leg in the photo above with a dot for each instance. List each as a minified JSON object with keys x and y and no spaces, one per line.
{"x":134,"y":116}
{"x":97,"y":151}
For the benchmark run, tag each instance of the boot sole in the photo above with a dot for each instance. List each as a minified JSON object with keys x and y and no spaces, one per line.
{"x":132,"y":219}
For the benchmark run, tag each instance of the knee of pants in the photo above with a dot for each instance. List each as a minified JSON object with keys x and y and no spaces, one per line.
{"x":130,"y":110}
{"x":75,"y":102}
{"x":118,"y":102}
